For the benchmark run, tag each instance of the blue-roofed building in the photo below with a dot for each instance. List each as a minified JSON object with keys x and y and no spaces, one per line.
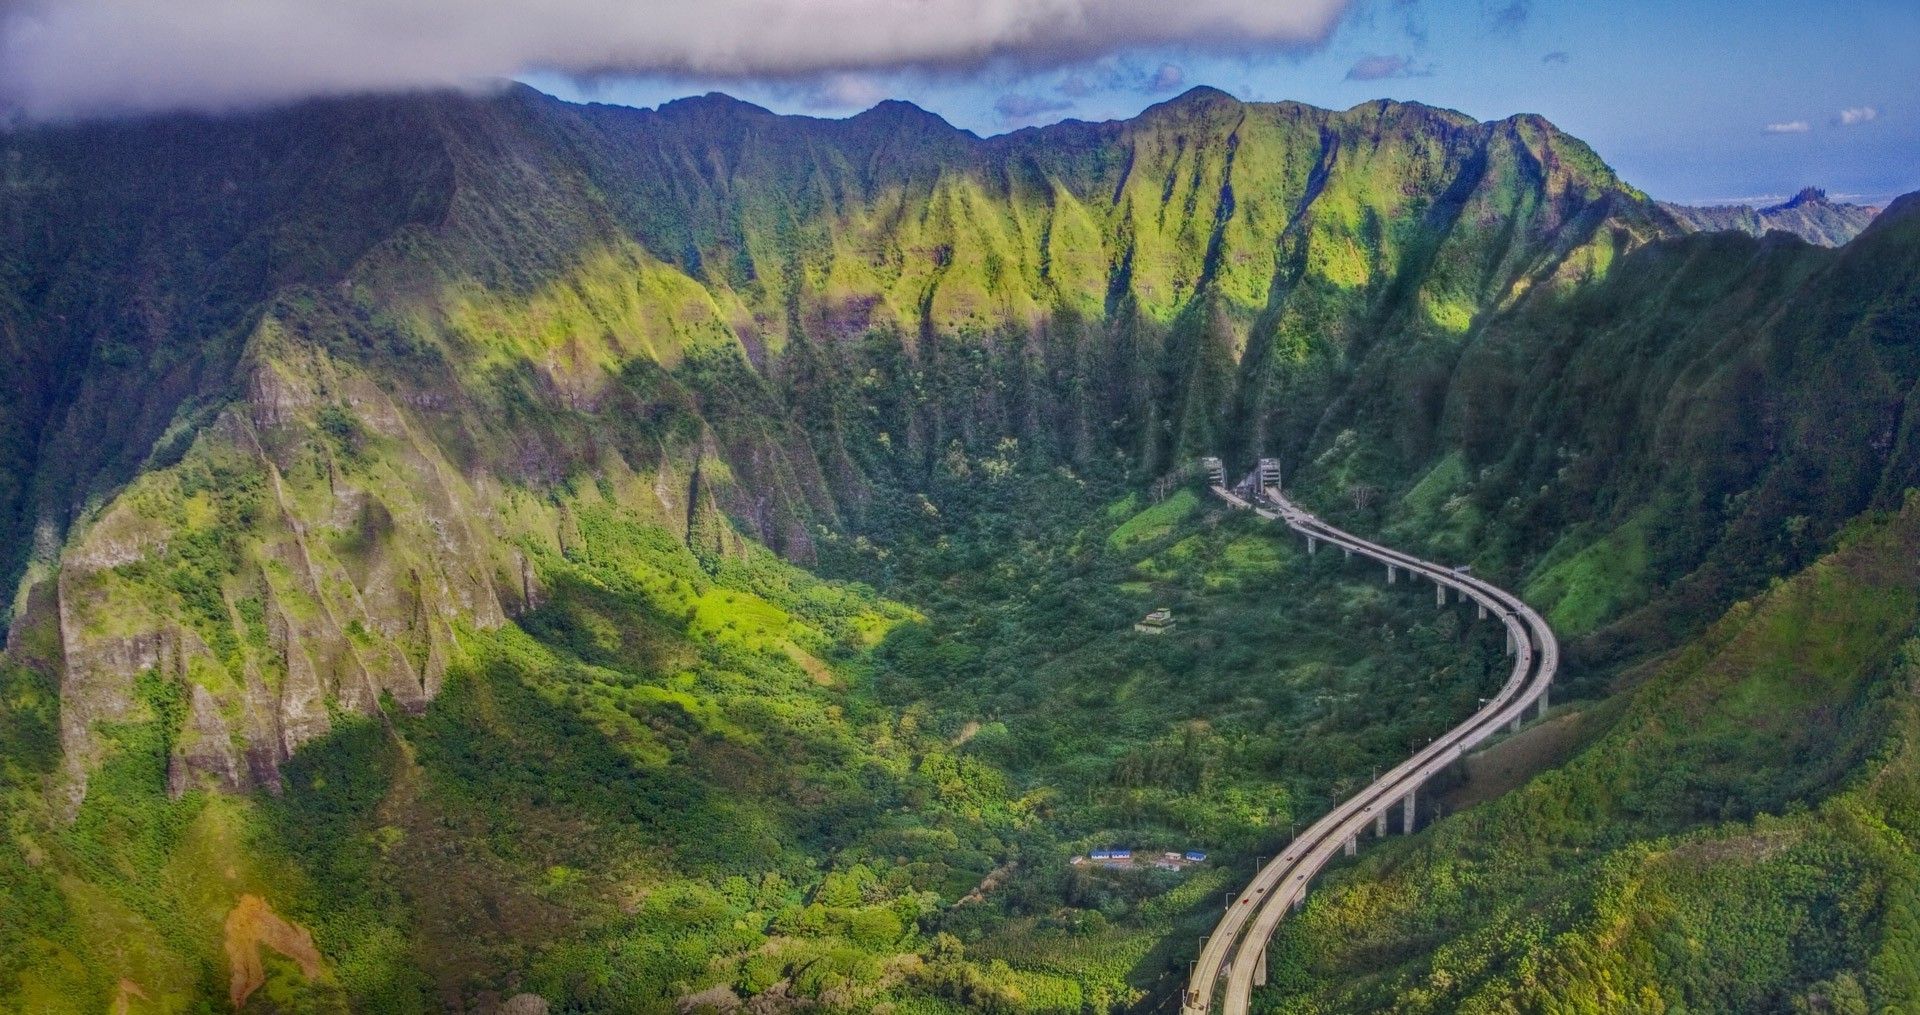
{"x":1194,"y":856}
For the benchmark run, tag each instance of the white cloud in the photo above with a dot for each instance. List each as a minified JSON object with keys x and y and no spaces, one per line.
{"x":843,"y":91}
{"x":65,"y":57}
{"x":1856,"y":114}
{"x":1788,"y":127}
{"x":1021,"y":107}
{"x":1376,"y":67}
{"x":1167,"y":78}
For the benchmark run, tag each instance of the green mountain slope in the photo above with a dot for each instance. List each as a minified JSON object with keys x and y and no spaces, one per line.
{"x":1739,"y":839}
{"x":1729,"y":836}
{"x":387,"y":488}
{"x":662,"y":300}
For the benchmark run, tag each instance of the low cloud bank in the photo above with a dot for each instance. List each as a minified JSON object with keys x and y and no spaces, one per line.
{"x":76,"y":57}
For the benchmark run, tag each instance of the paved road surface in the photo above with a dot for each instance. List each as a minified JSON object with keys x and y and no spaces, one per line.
{"x":1234,"y":955}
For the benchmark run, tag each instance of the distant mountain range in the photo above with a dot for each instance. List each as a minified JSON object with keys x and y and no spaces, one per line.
{"x":1810,"y":215}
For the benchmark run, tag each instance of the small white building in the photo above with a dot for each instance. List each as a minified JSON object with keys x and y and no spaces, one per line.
{"x":1158,"y":622}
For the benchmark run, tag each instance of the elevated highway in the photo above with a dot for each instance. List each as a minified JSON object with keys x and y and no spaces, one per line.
{"x":1233,"y":958}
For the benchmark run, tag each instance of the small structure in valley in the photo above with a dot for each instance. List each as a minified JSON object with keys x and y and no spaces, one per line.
{"x":1120,"y":859}
{"x":1158,"y":622}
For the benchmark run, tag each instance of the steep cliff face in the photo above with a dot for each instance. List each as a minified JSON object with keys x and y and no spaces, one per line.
{"x":284,"y":429}
{"x":1705,"y":418}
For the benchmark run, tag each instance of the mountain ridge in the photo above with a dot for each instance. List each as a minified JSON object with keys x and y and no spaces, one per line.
{"x":330,"y":429}
{"x":1808,"y":214}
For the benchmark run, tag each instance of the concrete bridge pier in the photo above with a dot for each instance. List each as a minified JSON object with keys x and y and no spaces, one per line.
{"x":1483,"y":612}
{"x":1543,"y":703}
{"x":1391,"y":574}
{"x":1353,"y":845}
{"x":1348,"y":550}
{"x":1380,"y":825}
{"x":1510,"y":644}
{"x":1269,"y":473}
{"x":1312,"y":545}
{"x":1260,"y":969}
{"x":1439,"y":594}
{"x":1216,"y":471}
{"x":1518,"y":721}
{"x":1406,"y":813}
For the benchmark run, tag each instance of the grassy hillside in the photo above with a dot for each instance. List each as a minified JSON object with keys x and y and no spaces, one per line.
{"x":1738,"y":840}
{"x":1638,"y":453}
{"x":690,"y":774}
{"x":404,"y":502}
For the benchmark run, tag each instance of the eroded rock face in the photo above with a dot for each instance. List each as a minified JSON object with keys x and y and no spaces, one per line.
{"x":273,"y":576}
{"x":316,"y":552}
{"x":207,"y":748}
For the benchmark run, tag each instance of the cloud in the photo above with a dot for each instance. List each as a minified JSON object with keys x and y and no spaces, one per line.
{"x":1751,"y":200}
{"x":1076,"y":86}
{"x":843,"y":91}
{"x":1019,"y":107}
{"x":1376,"y":67}
{"x":1788,"y":127}
{"x":67,"y":57}
{"x":1855,"y":115}
{"x":1510,"y":17}
{"x":1120,"y":74}
{"x":1557,"y":56}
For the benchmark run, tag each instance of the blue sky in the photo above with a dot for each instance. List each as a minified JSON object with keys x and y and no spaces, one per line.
{"x":1700,"y":102}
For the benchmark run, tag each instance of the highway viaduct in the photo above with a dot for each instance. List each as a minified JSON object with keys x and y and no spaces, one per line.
{"x":1233,"y":958}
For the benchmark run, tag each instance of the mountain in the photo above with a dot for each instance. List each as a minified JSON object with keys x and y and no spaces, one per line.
{"x":478,"y":545}
{"x":1809,"y":215}
{"x":1726,"y":829}
{"x":502,"y":296}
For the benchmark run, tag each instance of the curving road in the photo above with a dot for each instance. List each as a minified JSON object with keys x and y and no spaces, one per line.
{"x":1236,"y":950}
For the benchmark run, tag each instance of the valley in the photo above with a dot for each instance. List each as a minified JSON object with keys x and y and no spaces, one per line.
{"x":482,"y":552}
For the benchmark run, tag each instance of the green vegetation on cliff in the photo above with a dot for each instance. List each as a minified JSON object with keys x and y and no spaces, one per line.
{"x":407,"y":499}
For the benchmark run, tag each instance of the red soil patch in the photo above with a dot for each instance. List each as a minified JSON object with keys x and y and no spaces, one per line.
{"x":994,"y":879}
{"x":252,"y":924}
{"x":123,"y":998}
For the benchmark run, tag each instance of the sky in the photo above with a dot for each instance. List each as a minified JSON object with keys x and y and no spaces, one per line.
{"x":1704,"y":102}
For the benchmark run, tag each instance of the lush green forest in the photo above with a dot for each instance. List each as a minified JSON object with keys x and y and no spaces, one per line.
{"x":472,"y":552}
{"x":682,"y":775}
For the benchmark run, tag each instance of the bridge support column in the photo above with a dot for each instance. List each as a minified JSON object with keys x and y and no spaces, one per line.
{"x":1510,"y":644}
{"x":1260,"y":969}
{"x":1483,"y":612}
{"x":1543,"y":703}
{"x":1391,"y":574}
{"x":1406,"y":813}
{"x":1518,"y":721}
{"x":1312,"y":545}
{"x":1439,"y":594}
{"x":1380,"y":825}
{"x":1353,"y":845}
{"x":1348,"y":550}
